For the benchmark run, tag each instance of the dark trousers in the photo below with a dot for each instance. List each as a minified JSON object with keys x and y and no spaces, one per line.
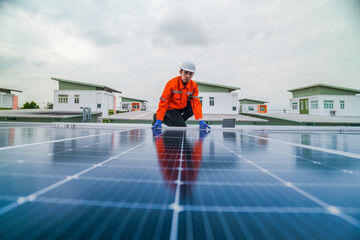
{"x":177,"y":117}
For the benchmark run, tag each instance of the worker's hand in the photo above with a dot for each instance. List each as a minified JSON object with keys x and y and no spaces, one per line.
{"x":203,"y":125}
{"x":156,"y":132}
{"x":157,"y":124}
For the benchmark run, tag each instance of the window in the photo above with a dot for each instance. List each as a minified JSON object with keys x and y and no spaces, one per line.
{"x":328,"y":104}
{"x":234,"y":108}
{"x":314,"y":104}
{"x":294,"y":105}
{"x":63,"y":98}
{"x":212,"y":101}
{"x":342,"y":104}
{"x":262,"y":109}
{"x":250,"y":108}
{"x":98,"y":105}
{"x":77,"y":99}
{"x":200,"y":100}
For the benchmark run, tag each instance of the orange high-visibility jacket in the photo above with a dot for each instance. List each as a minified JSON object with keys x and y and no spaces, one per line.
{"x":176,"y":95}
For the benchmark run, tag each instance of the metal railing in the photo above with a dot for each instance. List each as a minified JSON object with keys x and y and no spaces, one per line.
{"x":86,"y":114}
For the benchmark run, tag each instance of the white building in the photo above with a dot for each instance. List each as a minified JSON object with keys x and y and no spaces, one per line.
{"x":218,"y":99}
{"x":8,"y":100}
{"x":72,"y":95}
{"x":325,"y":100}
{"x":252,"y":106}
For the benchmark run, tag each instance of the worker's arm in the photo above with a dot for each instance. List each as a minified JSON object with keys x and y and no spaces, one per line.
{"x":164,"y":102}
{"x":197,"y":109}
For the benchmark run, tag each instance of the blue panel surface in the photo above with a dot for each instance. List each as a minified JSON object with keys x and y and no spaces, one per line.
{"x":133,"y":183}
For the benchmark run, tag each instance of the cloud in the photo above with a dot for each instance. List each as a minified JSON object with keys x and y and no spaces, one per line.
{"x":181,"y":28}
{"x":7,"y":62}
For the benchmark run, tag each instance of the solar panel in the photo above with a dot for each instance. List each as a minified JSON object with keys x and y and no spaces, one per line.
{"x":132,"y":183}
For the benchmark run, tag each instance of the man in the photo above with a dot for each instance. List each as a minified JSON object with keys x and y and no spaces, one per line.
{"x":179,"y":100}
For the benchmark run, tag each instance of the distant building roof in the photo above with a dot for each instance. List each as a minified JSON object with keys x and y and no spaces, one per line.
{"x":8,"y":90}
{"x":212,"y":87}
{"x":65,"y":84}
{"x":127,"y":99}
{"x":251,"y":101}
{"x":322,"y":89}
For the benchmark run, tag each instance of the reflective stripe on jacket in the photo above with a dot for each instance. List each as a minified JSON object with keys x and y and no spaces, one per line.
{"x":176,"y":95}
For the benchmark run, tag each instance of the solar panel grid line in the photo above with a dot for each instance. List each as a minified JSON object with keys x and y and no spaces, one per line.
{"x":314,"y":162}
{"x":224,"y":226}
{"x":55,"y":185}
{"x":227,"y":232}
{"x":104,"y":225}
{"x":141,"y":224}
{"x":189,"y":225}
{"x":102,"y":203}
{"x":35,"y":233}
{"x":341,"y":153}
{"x":47,"y":135}
{"x":52,"y":141}
{"x":57,"y":233}
{"x":323,"y":140}
{"x":294,"y":229}
{"x":209,"y":234}
{"x":7,"y":164}
{"x":330,"y":208}
{"x":8,"y":198}
{"x":19,"y":174}
{"x":258,"y":209}
{"x":122,"y":226}
{"x":176,"y":204}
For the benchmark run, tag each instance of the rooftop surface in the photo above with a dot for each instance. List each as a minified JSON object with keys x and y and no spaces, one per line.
{"x":41,"y":113}
{"x":84,"y":181}
{"x":148,"y":116}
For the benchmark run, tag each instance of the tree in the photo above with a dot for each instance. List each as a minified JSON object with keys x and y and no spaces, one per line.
{"x":49,"y":105}
{"x":31,"y":105}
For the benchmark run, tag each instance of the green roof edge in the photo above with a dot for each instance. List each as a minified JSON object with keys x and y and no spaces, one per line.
{"x":8,"y":89}
{"x":86,"y":84}
{"x":325,"y":85}
{"x":218,"y":85}
{"x":140,"y":100}
{"x":253,"y":100}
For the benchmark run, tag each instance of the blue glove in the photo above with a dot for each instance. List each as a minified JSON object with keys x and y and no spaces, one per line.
{"x":203,"y":125}
{"x":157,"y":124}
{"x":156,"y":131}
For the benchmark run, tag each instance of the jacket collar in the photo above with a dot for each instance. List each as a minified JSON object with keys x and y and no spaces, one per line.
{"x":181,"y":85}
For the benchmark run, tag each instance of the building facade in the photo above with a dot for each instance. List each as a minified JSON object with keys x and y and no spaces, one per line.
{"x":252,"y":106}
{"x":325,"y":100}
{"x":8,"y":100}
{"x":73,"y":95}
{"x":218,"y":99}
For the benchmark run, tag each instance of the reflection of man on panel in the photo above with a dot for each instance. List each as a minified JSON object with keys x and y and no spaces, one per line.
{"x":170,"y":148}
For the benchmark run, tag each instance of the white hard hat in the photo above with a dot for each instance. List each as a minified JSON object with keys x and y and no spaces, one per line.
{"x":188,"y":66}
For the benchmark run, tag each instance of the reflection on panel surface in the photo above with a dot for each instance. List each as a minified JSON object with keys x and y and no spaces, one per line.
{"x":137,"y":183}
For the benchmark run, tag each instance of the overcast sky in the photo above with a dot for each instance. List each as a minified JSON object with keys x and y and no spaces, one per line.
{"x":264,"y":47}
